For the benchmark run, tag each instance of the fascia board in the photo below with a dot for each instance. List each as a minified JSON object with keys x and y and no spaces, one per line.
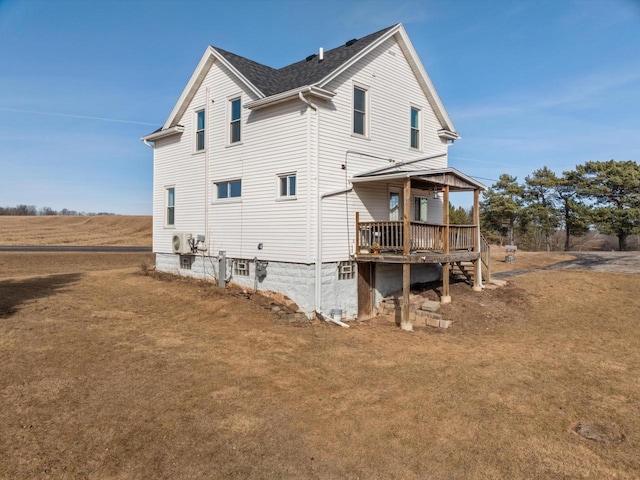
{"x":163,"y":133}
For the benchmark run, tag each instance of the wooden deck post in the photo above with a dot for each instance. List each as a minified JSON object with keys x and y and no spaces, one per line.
{"x":446,"y":268}
{"x":406,"y":324}
{"x":476,"y":241}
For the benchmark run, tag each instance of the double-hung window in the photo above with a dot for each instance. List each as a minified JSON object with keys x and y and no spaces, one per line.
{"x":199,"y":130}
{"x":230,"y":189}
{"x":359,"y":111}
{"x":170,"y":202}
{"x":287,"y":185}
{"x":234,"y":124}
{"x":415,"y":128}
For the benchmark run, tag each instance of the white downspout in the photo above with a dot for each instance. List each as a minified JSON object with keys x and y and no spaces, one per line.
{"x":146,"y":142}
{"x":318,"y":281}
{"x":206,"y":173}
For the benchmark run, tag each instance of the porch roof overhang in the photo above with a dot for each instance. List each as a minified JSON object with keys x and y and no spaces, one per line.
{"x":456,"y":180}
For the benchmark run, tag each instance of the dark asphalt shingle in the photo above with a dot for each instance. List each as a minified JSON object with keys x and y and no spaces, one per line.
{"x":271,"y":81}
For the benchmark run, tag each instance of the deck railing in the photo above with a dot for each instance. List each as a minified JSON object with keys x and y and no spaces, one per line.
{"x":374,"y":237}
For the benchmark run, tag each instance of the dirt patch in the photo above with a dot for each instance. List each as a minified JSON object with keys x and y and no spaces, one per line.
{"x":609,"y":434}
{"x":120,"y":375}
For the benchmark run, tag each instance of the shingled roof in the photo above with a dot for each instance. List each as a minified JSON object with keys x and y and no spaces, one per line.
{"x":271,"y":81}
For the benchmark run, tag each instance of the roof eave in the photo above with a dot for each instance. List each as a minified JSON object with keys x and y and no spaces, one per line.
{"x":152,"y":137}
{"x":310,"y":90}
{"x":473,"y":184}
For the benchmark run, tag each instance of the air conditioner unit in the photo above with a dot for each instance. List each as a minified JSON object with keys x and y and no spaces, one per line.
{"x":181,"y":243}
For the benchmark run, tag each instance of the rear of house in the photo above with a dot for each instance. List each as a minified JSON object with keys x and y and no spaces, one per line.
{"x":271,"y":178}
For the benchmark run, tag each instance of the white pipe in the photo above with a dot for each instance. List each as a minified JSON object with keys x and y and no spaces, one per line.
{"x":337,"y":322}
{"x":318,"y":280}
{"x":146,"y":142}
{"x":206,"y":173}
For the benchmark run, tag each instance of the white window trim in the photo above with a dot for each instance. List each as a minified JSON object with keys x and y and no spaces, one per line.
{"x":165,"y":204}
{"x":194,"y":143}
{"x":419,"y":109}
{"x":214,"y":189}
{"x":367,"y":110}
{"x":231,"y":99}
{"x":285,"y":198}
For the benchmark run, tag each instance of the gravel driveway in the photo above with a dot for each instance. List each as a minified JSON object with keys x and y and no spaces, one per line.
{"x":613,"y":262}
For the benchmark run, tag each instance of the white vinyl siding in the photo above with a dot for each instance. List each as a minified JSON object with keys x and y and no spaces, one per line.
{"x":275,"y":142}
{"x":392,"y":90}
{"x":282,"y":138}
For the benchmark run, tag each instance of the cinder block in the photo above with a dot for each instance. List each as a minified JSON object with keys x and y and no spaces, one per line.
{"x":433,"y":322}
{"x":445,"y":323}
{"x":430,"y":306}
{"x":419,"y":321}
{"x":499,"y":283}
{"x":422,"y":313}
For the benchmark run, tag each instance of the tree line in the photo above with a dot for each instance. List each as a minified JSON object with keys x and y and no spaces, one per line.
{"x":32,"y":210}
{"x":600,"y":195}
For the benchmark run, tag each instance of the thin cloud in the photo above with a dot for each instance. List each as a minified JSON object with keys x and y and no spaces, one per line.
{"x":579,"y":92}
{"x":71,"y":115}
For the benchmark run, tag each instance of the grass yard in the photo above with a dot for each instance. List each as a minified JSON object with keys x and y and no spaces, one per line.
{"x":107,"y":373}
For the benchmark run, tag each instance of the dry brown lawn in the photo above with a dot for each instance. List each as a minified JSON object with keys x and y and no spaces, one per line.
{"x":112,"y":374}
{"x":67,"y":230}
{"x":525,"y":260}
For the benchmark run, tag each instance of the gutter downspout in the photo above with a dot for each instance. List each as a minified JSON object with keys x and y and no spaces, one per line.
{"x":318,"y":281}
{"x":146,"y":142}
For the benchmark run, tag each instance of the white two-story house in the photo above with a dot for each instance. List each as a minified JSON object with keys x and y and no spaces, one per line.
{"x":325,"y":180}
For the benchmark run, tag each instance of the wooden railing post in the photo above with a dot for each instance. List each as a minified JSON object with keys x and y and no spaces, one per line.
{"x":357,"y":233}
{"x":477,"y":276}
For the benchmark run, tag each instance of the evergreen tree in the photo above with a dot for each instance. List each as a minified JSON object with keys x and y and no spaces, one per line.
{"x":501,"y":206}
{"x":614,"y":188}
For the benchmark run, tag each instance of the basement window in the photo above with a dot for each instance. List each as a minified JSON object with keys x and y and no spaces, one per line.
{"x":241,"y":267}
{"x":186,"y":261}
{"x":346,"y":270}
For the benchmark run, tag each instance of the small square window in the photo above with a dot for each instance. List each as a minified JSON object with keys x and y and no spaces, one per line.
{"x":231,"y":189}
{"x":346,"y":270}
{"x":287,"y":185}
{"x":200,"y":130}
{"x":241,"y":267}
{"x":234,"y":128}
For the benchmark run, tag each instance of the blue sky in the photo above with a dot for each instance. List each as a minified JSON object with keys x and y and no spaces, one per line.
{"x":527,"y":83}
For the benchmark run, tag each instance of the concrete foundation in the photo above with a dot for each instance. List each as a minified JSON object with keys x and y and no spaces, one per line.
{"x":295,"y":280}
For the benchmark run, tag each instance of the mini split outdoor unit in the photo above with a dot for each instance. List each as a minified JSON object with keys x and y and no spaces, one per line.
{"x":181,"y":243}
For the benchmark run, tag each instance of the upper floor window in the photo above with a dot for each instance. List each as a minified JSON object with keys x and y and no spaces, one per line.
{"x":287,"y":185}
{"x":415,"y":128}
{"x":359,"y":111}
{"x":230,"y":189}
{"x":200,"y":130}
{"x":170,"y":202}
{"x":234,"y":127}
